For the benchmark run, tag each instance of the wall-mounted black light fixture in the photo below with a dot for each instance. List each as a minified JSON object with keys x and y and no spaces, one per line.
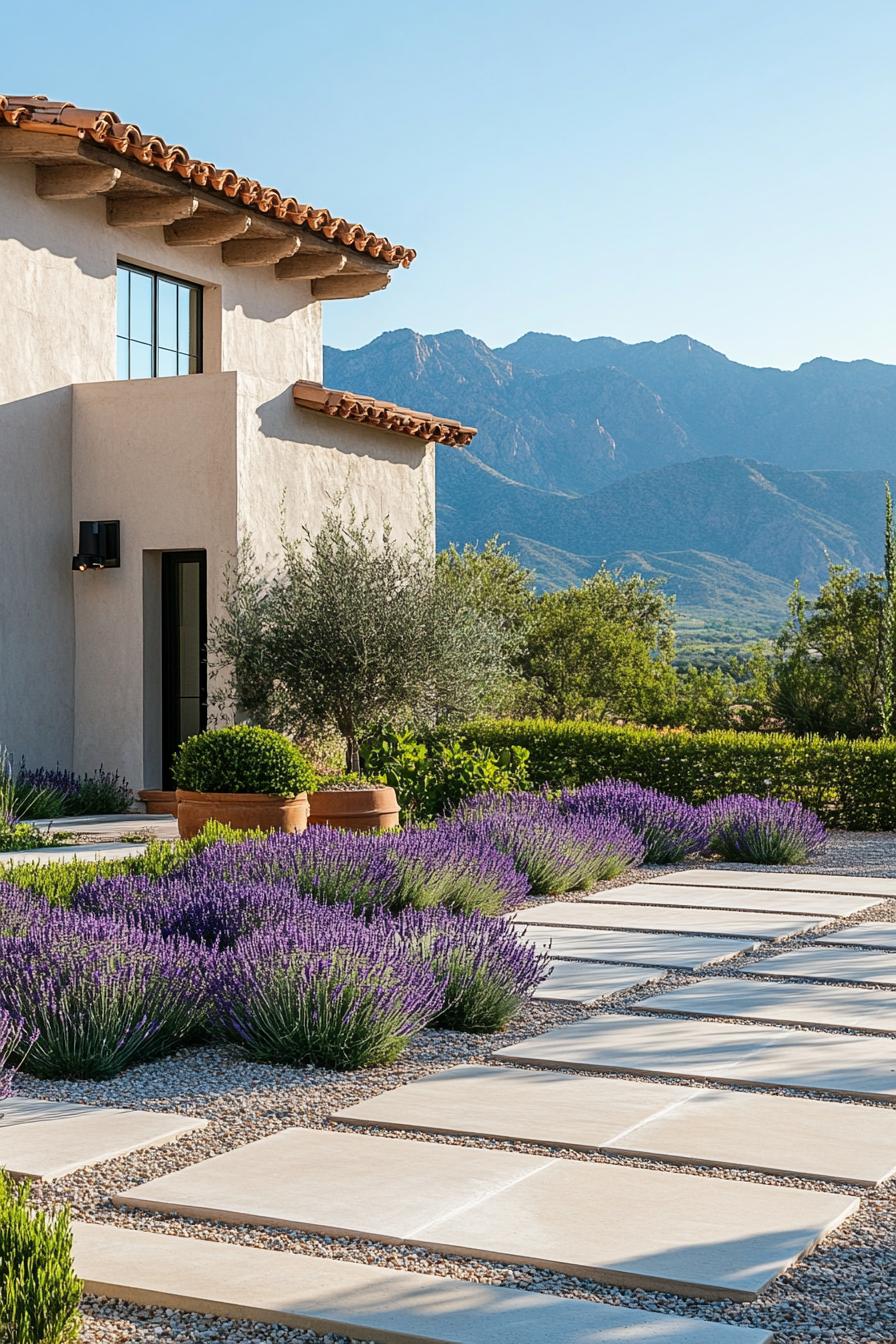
{"x":99,"y":546}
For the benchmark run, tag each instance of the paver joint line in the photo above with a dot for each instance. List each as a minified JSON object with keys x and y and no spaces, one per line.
{"x":483,"y":1198}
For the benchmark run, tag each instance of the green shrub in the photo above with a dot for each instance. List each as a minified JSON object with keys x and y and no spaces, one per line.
{"x":850,"y":784}
{"x":19,"y":835}
{"x":243,"y":759}
{"x":432,"y":779}
{"x":39,"y":1293}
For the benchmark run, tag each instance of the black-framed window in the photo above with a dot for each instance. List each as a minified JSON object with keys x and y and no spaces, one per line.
{"x":159,"y":330}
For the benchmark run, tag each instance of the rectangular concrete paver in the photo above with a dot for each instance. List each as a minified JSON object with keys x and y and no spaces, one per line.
{"x":784,"y":1135}
{"x":46,"y":1139}
{"x":870,"y":1010}
{"x":66,"y":853}
{"x":765,"y":879}
{"x":588,"y":981}
{"x":787,"y":1136}
{"x":390,"y":1306}
{"x":672,"y":1232}
{"x":528,"y":1105}
{"x":674,"y":950}
{"x":880,"y":934}
{"x":724,"y":1052}
{"x":749,"y":924}
{"x":738,"y":898}
{"x":849,"y":965}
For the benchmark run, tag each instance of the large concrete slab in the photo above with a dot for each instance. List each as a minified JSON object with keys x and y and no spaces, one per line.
{"x":675,"y":951}
{"x":787,"y":1136}
{"x":724,"y":1052}
{"x":737,"y":898}
{"x":565,"y":1110}
{"x":766,"y":879}
{"x":671,"y":1232}
{"x":749,"y":924}
{"x":588,"y":981}
{"x":46,"y":1139}
{"x":784,"y":1135}
{"x":880,"y":934}
{"x":871,"y":1010}
{"x":849,"y":965}
{"x":389,"y":1306}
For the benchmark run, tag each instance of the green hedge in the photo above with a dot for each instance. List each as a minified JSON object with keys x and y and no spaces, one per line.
{"x":851,"y":784}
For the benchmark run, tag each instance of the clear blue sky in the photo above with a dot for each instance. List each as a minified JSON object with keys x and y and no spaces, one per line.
{"x":633,"y":168}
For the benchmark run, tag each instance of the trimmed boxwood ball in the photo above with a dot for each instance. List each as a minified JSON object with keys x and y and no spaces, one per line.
{"x":242,"y":759}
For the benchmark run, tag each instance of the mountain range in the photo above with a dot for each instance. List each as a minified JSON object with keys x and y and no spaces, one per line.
{"x":663,"y":457}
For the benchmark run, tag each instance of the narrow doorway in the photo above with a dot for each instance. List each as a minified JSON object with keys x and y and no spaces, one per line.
{"x":184,"y":636}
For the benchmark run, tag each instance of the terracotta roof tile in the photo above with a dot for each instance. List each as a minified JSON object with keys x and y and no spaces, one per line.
{"x":109,"y":131}
{"x":382,"y":414}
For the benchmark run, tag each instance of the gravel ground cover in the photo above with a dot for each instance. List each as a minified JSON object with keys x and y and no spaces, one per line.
{"x":841,"y":1293}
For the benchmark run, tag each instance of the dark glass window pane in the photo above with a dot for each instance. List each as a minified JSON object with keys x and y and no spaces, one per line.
{"x":121,"y":357}
{"x":166,"y":315}
{"x":141,"y":308}
{"x":188,"y":331}
{"x":166,"y":364}
{"x":141,"y":360}
{"x":123,"y":303}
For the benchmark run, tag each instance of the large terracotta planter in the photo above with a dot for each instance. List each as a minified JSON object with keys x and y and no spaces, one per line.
{"x":242,"y":811}
{"x":158,"y":802}
{"x":374,"y":809}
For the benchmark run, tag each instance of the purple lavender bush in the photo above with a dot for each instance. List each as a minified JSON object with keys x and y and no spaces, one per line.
{"x":485,"y":967}
{"x":331,"y":865}
{"x":19,"y":910}
{"x":557,"y":852}
{"x":671,"y":829}
{"x":100,"y":995}
{"x":449,"y":866}
{"x":14,"y":1040}
{"x":744,"y":829}
{"x":326,"y":988}
{"x":205,"y":909}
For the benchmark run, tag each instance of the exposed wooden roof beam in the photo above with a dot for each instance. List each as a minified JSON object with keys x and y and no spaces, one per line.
{"x":143,"y":211}
{"x":74,"y":182}
{"x":205,"y":229}
{"x":347,"y":286}
{"x":309,"y":266}
{"x":32,"y":145}
{"x":258,"y":251}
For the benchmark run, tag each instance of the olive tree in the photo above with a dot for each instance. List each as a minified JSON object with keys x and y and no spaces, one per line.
{"x":351,"y":629}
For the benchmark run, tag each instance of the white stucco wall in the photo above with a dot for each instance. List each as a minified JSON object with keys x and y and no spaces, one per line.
{"x":160,"y":455}
{"x":194,"y":464}
{"x":57,"y":304}
{"x":293,"y":465}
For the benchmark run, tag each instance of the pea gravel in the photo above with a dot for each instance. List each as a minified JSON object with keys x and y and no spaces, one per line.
{"x":840,"y":1294}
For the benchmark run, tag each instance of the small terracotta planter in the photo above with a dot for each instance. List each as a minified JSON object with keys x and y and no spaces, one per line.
{"x":159,"y":801}
{"x":242,"y":811}
{"x":373,"y":809}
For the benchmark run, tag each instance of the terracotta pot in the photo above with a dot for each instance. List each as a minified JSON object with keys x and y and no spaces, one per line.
{"x":374,"y":809}
{"x":242,"y":811}
{"x":159,"y":801}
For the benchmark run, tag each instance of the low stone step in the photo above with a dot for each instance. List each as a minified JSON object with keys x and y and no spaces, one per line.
{"x":588,"y":981}
{"x":788,"y":1002}
{"x":675,"y":951}
{"x":47,"y":1139}
{"x":390,"y":1306}
{"x":786,"y":1136}
{"x":698,"y":1236}
{"x":853,"y":966}
{"x":723,"y":1052}
{"x":750,"y":924}
{"x":764,"y":879}
{"x":658,"y":892}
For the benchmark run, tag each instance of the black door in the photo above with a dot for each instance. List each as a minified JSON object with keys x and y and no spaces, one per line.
{"x":184,"y":635}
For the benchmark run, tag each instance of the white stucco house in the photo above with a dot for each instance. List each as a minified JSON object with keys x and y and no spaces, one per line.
{"x":160,"y":373}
